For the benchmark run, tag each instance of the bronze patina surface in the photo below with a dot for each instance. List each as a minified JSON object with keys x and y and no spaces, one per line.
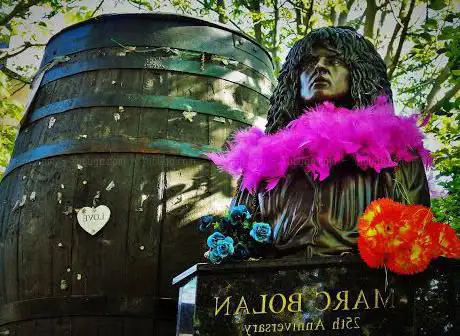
{"x":309,"y":217}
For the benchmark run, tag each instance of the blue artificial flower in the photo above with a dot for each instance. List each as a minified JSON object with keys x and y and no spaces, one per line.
{"x":261,"y":232}
{"x":214,"y":258}
{"x":214,"y":238}
{"x":206,"y":223}
{"x":239,"y":214}
{"x":225,"y":247}
{"x":241,"y":252}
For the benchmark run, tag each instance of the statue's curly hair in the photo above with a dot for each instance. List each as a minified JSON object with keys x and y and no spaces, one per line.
{"x":368,"y":76}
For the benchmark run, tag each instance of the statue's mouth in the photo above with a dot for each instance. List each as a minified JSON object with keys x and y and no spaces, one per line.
{"x":319,"y":81}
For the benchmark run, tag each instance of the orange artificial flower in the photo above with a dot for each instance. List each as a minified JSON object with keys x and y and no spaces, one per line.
{"x":447,"y":243}
{"x":403,"y":238}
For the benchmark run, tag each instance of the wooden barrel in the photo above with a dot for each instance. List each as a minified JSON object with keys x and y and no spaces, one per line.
{"x":124,"y":112}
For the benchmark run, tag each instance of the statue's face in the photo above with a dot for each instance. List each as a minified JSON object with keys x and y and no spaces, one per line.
{"x":324,"y":77}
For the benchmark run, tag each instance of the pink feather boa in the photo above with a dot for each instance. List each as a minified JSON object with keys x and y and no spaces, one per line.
{"x":321,"y":138}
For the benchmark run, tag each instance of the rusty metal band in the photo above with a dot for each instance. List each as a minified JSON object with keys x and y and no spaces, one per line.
{"x":139,"y":100}
{"x":135,"y":61}
{"x":55,"y":307}
{"x":110,"y":146}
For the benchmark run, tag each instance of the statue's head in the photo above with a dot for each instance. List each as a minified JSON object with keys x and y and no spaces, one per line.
{"x":335,"y":64}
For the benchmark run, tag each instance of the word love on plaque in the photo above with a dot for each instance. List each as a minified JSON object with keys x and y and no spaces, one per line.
{"x":93,"y":219}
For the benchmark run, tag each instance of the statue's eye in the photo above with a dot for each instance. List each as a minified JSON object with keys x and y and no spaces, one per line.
{"x":336,"y":61}
{"x":309,"y":63}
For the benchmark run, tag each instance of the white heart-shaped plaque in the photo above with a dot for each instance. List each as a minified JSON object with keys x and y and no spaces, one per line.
{"x":92,"y":220}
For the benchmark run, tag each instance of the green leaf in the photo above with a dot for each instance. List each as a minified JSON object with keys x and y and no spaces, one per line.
{"x":447,"y":33}
{"x":437,"y":4}
{"x":431,"y":24}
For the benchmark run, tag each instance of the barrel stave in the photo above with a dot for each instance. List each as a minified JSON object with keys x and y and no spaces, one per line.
{"x":147,"y":207}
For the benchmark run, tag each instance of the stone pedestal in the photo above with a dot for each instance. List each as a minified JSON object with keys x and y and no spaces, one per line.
{"x":323,"y":296}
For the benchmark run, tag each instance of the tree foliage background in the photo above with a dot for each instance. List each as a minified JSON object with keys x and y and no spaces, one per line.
{"x":418,"y":39}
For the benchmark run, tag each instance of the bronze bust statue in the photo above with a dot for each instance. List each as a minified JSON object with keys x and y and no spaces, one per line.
{"x":310,"y":217}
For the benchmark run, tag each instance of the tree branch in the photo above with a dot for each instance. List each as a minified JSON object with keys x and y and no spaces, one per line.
{"x":16,"y":51}
{"x":18,"y":89}
{"x":344,"y":15}
{"x":383,"y":5}
{"x":309,"y":13}
{"x":449,"y":94}
{"x":275,"y":35}
{"x":20,"y":9}
{"x":14,"y":75}
{"x":221,"y":9}
{"x":398,"y":26}
{"x":332,"y":15}
{"x":414,"y":67}
{"x":442,"y":77}
{"x":97,"y":8}
{"x":255,"y":6}
{"x":397,"y":18}
{"x":371,"y":11}
{"x":402,"y":38}
{"x":229,"y":20}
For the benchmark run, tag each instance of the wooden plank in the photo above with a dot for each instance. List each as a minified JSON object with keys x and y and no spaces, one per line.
{"x":62,"y":129}
{"x":221,"y":130}
{"x":8,"y":201}
{"x":221,"y":186}
{"x":39,"y":327}
{"x":50,"y":93}
{"x":187,"y":183}
{"x":249,"y":100}
{"x":62,"y":326}
{"x":59,"y":210}
{"x":138,"y":326}
{"x":10,"y":233}
{"x":147,"y":197}
{"x":183,"y":130}
{"x":44,"y":95}
{"x":5,"y":185}
{"x":111,"y":326}
{"x":145,"y":216}
{"x":165,"y":327}
{"x":224,"y":92}
{"x":237,"y":96}
{"x":156,"y":82}
{"x":85,"y":326}
{"x":187,"y":85}
{"x":130,"y":80}
{"x":153,"y":123}
{"x":112,"y":120}
{"x":97,"y":326}
{"x":88,"y":82}
{"x":38,"y":131}
{"x":97,"y":261}
{"x":34,"y":250}
{"x":66,"y":88}
{"x":22,"y":140}
{"x":106,"y":81}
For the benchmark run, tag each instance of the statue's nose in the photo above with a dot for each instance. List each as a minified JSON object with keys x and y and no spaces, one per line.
{"x":322,"y":63}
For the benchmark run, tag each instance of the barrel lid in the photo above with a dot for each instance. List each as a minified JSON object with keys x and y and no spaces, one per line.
{"x":159,"y":17}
